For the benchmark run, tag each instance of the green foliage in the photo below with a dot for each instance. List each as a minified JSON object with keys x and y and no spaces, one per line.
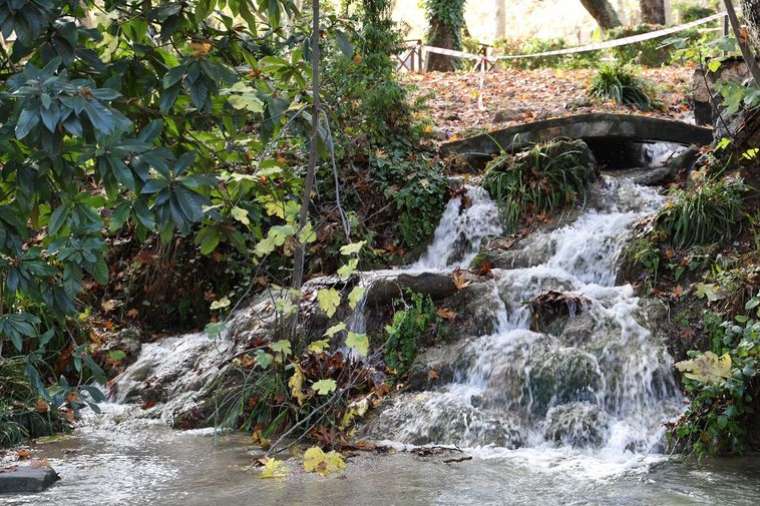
{"x":709,"y":212}
{"x":446,"y":19}
{"x":412,"y":320}
{"x":535,"y":45}
{"x":649,"y":53}
{"x":722,"y":386}
{"x":688,"y":12}
{"x":620,"y":83}
{"x":547,"y":178}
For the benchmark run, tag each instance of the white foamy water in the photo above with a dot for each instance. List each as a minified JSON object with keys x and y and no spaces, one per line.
{"x":607,"y":384}
{"x":466,"y":221}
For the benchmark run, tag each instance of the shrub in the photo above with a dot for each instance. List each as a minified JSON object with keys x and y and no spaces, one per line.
{"x":620,"y":83}
{"x":723,"y":387}
{"x":650,"y":53}
{"x":707,"y":213}
{"x":688,"y":13}
{"x":548,"y":177}
{"x":412,"y":320}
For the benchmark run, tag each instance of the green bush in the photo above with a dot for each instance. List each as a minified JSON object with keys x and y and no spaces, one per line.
{"x":621,"y":84}
{"x":707,"y":213}
{"x":650,"y":53}
{"x":689,"y":12}
{"x":723,"y":387}
{"x":549,"y":177}
{"x":415,"y":315}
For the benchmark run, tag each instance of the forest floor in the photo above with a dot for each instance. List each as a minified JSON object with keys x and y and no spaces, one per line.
{"x":516,"y":96}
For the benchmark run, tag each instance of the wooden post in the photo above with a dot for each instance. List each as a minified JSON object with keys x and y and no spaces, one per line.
{"x":749,"y":58}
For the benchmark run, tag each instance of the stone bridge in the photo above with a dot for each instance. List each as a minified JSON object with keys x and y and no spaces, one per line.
{"x":606,"y":134}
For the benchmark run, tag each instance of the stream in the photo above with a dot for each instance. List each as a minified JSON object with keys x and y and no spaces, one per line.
{"x":572,"y":413}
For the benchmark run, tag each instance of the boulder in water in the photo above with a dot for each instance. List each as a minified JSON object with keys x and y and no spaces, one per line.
{"x":576,"y":424}
{"x":26,"y":479}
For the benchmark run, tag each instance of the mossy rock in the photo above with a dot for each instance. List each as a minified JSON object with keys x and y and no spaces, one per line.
{"x":549,"y":177}
{"x":561,"y":376}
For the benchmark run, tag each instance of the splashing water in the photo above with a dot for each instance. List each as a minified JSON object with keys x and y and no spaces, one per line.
{"x":596,"y":389}
{"x":462,"y":228}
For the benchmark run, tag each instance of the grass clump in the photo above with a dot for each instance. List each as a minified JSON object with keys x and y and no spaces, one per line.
{"x":621,"y":84}
{"x":707,"y":213}
{"x":547,"y":178}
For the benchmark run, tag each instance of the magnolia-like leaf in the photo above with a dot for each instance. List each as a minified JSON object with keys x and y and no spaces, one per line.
{"x":263,"y":359}
{"x":324,"y":386}
{"x":329,"y":300}
{"x":274,"y":468}
{"x":348,"y":269}
{"x":296,"y":385}
{"x":282,"y":346}
{"x":317,"y":461}
{"x":707,"y":368}
{"x":318,"y":346}
{"x":240,"y":215}
{"x":356,"y":295}
{"x":352,"y":249}
{"x":358,"y":342}
{"x":339,"y":327}
{"x":220,"y":304}
{"x":708,"y":290}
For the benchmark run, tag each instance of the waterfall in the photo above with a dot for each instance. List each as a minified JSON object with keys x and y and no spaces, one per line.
{"x":603,"y":382}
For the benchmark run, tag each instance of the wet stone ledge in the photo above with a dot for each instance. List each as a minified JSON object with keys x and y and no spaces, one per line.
{"x":26,"y":479}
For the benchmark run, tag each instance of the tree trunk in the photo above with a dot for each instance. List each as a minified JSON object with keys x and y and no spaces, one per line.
{"x":446,"y":18}
{"x":602,"y":12}
{"x":751,"y":10}
{"x":653,"y":11}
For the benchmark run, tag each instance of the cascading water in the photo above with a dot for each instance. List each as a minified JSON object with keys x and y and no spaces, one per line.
{"x":598,"y":381}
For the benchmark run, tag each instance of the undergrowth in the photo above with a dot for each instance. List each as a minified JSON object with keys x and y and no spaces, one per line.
{"x":415,"y":314}
{"x":547,"y":178}
{"x":621,"y":84}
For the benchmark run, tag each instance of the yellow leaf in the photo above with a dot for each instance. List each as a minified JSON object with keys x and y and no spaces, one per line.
{"x":318,"y":346}
{"x":296,"y":385}
{"x":358,"y":342}
{"x":317,"y":461}
{"x":707,"y":368}
{"x":273,"y":468}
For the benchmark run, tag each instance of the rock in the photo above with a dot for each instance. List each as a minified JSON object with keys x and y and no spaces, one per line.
{"x":553,"y":310}
{"x":476,"y":314}
{"x":560,"y":376}
{"x":127,"y":341}
{"x":578,"y":424}
{"x":507,"y":115}
{"x":384,"y":289}
{"x":578,"y":103}
{"x":707,"y":104}
{"x":437,"y":365}
{"x":26,"y":479}
{"x":443,"y":418}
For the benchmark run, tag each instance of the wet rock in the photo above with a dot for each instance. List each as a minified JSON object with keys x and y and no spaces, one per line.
{"x":476,"y":313}
{"x":385,"y":289}
{"x":443,"y":418}
{"x":126,"y":341}
{"x":438,"y":365}
{"x":553,"y":310}
{"x":563,"y":375}
{"x":26,"y":479}
{"x":578,"y":424}
{"x":507,"y":115}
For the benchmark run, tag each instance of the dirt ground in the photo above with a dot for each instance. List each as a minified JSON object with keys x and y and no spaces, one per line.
{"x":516,"y":96}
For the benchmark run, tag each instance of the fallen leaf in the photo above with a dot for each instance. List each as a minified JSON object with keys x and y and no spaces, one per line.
{"x":273,"y":468}
{"x":707,"y":368}
{"x":459,"y":278}
{"x":446,"y":313}
{"x":317,"y":461}
{"x":23,"y":454}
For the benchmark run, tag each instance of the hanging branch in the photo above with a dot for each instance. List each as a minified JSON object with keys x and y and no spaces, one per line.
{"x":300,"y":253}
{"x":749,"y":58}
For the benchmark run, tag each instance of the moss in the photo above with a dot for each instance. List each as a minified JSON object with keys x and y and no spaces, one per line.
{"x":549,"y":177}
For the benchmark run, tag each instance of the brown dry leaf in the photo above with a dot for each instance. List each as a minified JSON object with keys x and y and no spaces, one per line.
{"x":41,"y":406}
{"x":148,"y":404}
{"x":247,"y":361}
{"x":133,"y":313}
{"x":446,"y":313}
{"x":23,"y":454}
{"x":459,"y":278}
{"x":678,"y":291}
{"x":485,"y":268}
{"x":432,"y":375}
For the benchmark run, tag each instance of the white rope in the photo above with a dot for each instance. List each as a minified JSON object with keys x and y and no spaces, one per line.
{"x":633,"y":39}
